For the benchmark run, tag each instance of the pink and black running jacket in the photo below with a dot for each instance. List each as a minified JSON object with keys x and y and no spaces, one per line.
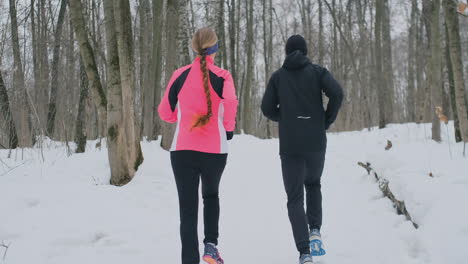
{"x":184,"y":100}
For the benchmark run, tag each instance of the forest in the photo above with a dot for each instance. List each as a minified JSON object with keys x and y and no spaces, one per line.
{"x":79,"y":70}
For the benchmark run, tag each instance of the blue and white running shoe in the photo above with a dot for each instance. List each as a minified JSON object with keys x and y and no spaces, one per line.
{"x":211,"y":255}
{"x":316,"y":244}
{"x":305,"y":259}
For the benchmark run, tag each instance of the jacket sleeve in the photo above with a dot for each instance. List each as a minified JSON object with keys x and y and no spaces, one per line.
{"x":334,"y":92}
{"x":270,"y":101}
{"x":167,"y":112}
{"x":230,"y":104}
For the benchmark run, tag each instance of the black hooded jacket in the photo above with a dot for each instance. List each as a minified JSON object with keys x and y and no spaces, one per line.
{"x":293,"y":98}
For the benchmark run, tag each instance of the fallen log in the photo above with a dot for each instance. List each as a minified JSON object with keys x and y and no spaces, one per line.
{"x":383,"y":185}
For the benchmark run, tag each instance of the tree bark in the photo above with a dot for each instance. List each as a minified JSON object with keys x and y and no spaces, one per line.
{"x":80,"y":128}
{"x":389,"y":92}
{"x":87,"y":54}
{"x":25,"y":138}
{"x":42,"y":92}
{"x":451,"y":18}
{"x":52,"y":109}
{"x":146,"y":89}
{"x":436,"y":62}
{"x":132,"y":155}
{"x":411,"y":62}
{"x":247,"y":91}
{"x":157,"y":63}
{"x":379,"y":80}
{"x":451,"y":84}
{"x":12,"y":137}
{"x":321,"y":50}
{"x":176,"y":10}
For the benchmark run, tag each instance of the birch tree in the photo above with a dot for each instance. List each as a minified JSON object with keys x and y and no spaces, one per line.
{"x":177,"y":45}
{"x":131,"y":155}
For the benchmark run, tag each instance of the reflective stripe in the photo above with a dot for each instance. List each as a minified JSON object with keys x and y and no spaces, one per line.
{"x":176,"y":134}
{"x":223,"y":147}
{"x":315,"y":237}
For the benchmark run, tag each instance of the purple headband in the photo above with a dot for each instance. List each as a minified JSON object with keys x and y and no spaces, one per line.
{"x":210,"y":50}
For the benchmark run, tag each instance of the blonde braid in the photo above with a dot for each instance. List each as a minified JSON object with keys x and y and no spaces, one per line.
{"x":204,"y":119}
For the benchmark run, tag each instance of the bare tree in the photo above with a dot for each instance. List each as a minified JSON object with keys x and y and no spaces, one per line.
{"x":131,"y":154}
{"x":436,"y":67}
{"x":451,"y":19}
{"x":55,"y":70}
{"x":80,"y":126}
{"x":25,"y":138}
{"x":451,"y":84}
{"x":387,"y":66}
{"x":247,"y":93}
{"x":412,"y":61}
{"x":12,"y":138}
{"x":88,"y":57}
{"x":157,"y":71}
{"x":144,"y":52}
{"x":176,"y":16}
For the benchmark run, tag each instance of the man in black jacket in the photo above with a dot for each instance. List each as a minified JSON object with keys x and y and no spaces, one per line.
{"x":293,"y":98}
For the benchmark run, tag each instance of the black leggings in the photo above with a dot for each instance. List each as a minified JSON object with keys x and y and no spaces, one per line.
{"x":189,"y":167}
{"x":299,"y":172}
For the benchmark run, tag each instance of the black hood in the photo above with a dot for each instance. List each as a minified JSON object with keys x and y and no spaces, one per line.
{"x":295,"y":61}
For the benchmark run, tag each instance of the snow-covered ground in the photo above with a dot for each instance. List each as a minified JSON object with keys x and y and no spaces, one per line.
{"x":59,"y":209}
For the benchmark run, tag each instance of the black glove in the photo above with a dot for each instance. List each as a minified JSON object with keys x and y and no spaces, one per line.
{"x":229,"y":135}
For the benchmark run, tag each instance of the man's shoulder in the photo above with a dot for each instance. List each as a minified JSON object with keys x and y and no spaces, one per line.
{"x":316,"y":67}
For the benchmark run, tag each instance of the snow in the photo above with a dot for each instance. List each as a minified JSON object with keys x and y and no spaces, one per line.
{"x":59,"y":209}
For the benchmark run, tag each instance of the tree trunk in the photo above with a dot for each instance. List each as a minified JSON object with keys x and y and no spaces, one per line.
{"x":389,"y":92}
{"x":80,"y":128}
{"x":321,"y":49}
{"x":25,"y":138}
{"x":411,"y":62}
{"x":35,"y":50}
{"x":12,"y":137}
{"x":146,"y":89}
{"x":247,"y":91}
{"x":436,"y":62}
{"x":176,"y":10}
{"x":87,"y":54}
{"x":157,"y":63}
{"x":451,"y":84}
{"x":42,"y":92}
{"x":55,"y":70}
{"x":221,"y":56}
{"x":379,"y":80}
{"x":451,"y":18}
{"x":132,"y":154}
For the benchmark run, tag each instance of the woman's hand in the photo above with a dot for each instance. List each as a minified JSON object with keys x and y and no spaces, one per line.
{"x":229,"y":135}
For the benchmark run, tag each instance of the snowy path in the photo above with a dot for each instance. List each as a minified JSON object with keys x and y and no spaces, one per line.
{"x":359,"y":225}
{"x":53,"y":212}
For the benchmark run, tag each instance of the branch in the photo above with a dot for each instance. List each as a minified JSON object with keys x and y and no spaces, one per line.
{"x":346,"y":42}
{"x":383,"y":185}
{"x":279,"y":25}
{"x":6,"y":248}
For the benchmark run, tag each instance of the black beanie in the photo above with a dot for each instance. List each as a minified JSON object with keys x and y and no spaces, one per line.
{"x":296,"y":42}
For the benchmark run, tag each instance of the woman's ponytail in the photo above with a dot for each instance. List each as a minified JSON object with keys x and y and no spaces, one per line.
{"x":204,"y":119}
{"x":203,"y":39}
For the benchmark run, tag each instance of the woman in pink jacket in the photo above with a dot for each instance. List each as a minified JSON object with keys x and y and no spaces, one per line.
{"x":201,"y":98}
